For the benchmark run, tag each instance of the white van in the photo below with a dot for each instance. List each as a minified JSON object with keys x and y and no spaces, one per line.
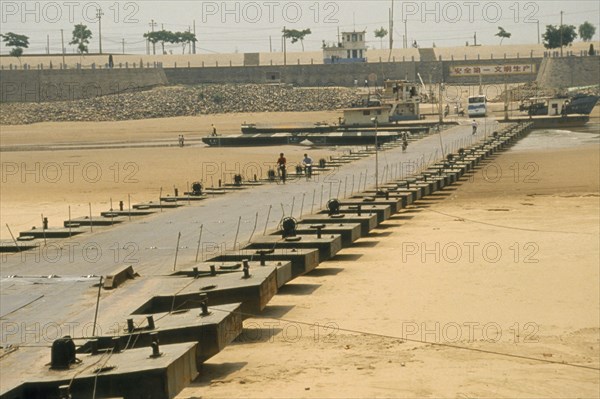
{"x":477,"y":106}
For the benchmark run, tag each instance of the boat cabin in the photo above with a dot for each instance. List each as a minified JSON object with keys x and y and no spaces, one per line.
{"x":555,"y":106}
{"x":400,"y":90}
{"x":405,"y":111}
{"x":403,"y":97}
{"x":544,"y":106}
{"x":363,"y":116}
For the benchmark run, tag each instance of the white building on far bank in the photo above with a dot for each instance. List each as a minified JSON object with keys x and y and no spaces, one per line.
{"x":352,"y":48}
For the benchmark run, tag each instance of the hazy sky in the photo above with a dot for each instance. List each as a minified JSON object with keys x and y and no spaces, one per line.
{"x":246,"y":26}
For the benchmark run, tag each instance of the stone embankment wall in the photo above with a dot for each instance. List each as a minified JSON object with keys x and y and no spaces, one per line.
{"x":74,"y":84}
{"x":569,"y":72}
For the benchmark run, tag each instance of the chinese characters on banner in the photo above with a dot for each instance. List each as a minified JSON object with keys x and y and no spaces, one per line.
{"x":476,"y":70}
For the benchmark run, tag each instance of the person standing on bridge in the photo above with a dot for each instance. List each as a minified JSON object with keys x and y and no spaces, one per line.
{"x":404,"y":141}
{"x":307,"y":163}
{"x":474,"y":124}
{"x":281,"y":165}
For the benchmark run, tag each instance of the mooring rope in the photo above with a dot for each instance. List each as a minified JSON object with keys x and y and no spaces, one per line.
{"x":507,"y":227}
{"x":380,"y":335}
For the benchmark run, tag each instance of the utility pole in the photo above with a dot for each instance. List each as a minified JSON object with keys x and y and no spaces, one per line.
{"x":376,"y":122}
{"x":561,"y":33}
{"x":62,"y":46}
{"x":194,"y":42}
{"x":440,"y":103}
{"x":284,"y":48}
{"x":162,"y":28}
{"x":123,"y":42}
{"x":538,"y":30}
{"x":152,"y":25}
{"x":405,"y":34}
{"x":392,"y":26}
{"x":270,"y":44}
{"x":431,"y":94}
{"x":99,"y":15}
{"x":47,"y":44}
{"x":475,"y":39}
{"x":505,"y":99}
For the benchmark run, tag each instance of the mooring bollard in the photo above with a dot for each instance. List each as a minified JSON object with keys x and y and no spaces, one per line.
{"x":155,"y":346}
{"x":116,"y":345}
{"x":130,"y":326}
{"x":93,"y":347}
{"x":319,"y":228}
{"x":262,"y":253}
{"x":150,"y":320}
{"x":155,"y":350}
{"x":204,"y":304}
{"x":246,"y":268}
{"x":237,"y":180}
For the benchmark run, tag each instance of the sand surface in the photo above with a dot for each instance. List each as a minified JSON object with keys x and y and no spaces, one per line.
{"x":503,"y":261}
{"x":193,"y":127}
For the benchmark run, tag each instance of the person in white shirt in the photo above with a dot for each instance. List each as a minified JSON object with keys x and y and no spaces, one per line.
{"x":307,"y":163}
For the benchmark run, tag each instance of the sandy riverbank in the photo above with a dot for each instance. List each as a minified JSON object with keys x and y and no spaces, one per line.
{"x":512,"y":268}
{"x":149,"y":129}
{"x":48,"y":182}
{"x":538,"y":297}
